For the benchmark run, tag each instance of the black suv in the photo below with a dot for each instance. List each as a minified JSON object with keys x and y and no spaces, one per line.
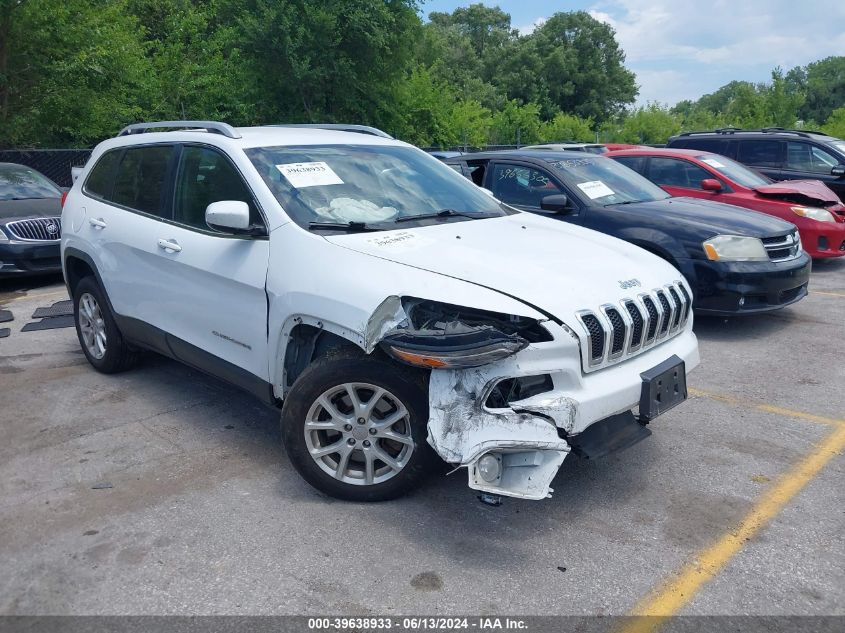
{"x":778,"y":153}
{"x":736,"y":261}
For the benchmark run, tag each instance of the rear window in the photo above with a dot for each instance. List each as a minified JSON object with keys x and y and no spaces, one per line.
{"x":637,"y":163}
{"x":22,"y":183}
{"x":100,"y":179}
{"x":759,"y":153}
{"x":140,"y":179}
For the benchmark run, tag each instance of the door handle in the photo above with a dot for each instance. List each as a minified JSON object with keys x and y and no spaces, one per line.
{"x":97,"y":223}
{"x":170,"y":246}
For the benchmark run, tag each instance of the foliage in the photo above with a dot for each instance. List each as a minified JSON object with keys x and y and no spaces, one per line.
{"x":76,"y":71}
{"x":835,"y":125}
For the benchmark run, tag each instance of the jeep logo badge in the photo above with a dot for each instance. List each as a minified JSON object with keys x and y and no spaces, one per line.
{"x":629,"y":283}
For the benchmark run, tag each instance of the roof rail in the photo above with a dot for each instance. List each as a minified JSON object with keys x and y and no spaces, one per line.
{"x":215,"y":127}
{"x":341,"y":127}
{"x":765,"y":130}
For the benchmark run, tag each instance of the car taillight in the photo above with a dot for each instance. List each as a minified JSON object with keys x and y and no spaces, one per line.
{"x":64,"y":197}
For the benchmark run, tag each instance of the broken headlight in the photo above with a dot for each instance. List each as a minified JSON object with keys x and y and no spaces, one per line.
{"x":445,"y":336}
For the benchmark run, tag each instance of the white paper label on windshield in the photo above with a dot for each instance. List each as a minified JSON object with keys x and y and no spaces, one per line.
{"x":595,"y":189}
{"x":309,"y":174}
{"x":715,"y":164}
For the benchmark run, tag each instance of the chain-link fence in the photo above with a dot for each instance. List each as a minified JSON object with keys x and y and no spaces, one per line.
{"x":53,"y":163}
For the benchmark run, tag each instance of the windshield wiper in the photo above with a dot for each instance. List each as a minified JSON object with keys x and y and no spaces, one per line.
{"x":614,"y":204}
{"x":350,"y":227}
{"x":444,"y":213}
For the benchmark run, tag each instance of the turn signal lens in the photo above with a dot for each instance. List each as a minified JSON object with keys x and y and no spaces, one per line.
{"x":420,"y":360}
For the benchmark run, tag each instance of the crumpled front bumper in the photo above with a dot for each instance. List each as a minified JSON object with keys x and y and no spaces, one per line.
{"x":529,"y":436}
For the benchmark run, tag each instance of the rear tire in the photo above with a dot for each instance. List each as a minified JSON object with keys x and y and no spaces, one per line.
{"x":355,"y":428}
{"x":100,"y":339}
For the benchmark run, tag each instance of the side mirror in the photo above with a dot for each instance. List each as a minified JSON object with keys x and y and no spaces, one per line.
{"x":230,"y":216}
{"x":488,"y":192}
{"x":557,"y":203}
{"x":838,"y":171}
{"x":711,"y":184}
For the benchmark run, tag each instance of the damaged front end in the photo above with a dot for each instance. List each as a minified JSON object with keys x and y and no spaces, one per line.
{"x":487,"y":411}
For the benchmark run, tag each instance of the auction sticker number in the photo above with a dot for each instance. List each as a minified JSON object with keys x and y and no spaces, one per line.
{"x":309,"y":174}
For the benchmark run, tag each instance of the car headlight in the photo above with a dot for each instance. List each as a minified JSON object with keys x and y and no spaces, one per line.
{"x":735,"y":248}
{"x":445,"y":336}
{"x":814,"y":213}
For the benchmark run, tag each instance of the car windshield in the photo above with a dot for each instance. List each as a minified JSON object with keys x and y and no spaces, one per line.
{"x":733,"y":170}
{"x":840,"y":145}
{"x":379,"y":186}
{"x":20,"y":183}
{"x":605,"y":182}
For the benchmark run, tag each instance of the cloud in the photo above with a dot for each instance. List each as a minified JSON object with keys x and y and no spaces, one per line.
{"x":530,"y":28}
{"x":686,"y":47}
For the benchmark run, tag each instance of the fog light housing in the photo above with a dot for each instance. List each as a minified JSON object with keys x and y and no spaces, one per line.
{"x":490,"y":467}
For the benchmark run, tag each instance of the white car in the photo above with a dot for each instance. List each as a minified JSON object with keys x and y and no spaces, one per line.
{"x":391,"y":309}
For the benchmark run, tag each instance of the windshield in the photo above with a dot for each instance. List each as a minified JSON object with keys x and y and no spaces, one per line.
{"x":605,"y":182}
{"x":733,"y":170}
{"x":375,"y":185}
{"x":21,"y":183}
{"x":840,"y":145}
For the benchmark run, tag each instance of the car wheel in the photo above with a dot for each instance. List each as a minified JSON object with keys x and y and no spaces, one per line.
{"x":355,"y":428}
{"x":101,"y":341}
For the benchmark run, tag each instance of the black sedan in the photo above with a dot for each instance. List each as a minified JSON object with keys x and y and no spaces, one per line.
{"x":736,"y":261}
{"x":30,"y":222}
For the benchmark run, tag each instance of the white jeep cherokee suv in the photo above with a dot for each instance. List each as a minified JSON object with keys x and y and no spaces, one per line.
{"x":390,"y":307}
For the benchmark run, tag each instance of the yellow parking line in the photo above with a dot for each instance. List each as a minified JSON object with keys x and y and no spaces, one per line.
{"x":768,"y":408}
{"x":828,"y":294}
{"x":675,"y":594}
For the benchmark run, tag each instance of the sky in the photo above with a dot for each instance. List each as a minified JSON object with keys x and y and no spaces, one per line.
{"x":683,"y":49}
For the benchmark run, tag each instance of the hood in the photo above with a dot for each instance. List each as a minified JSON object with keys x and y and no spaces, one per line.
{"x":800,"y":191}
{"x":30,"y":208}
{"x":709,"y":218}
{"x":556,"y":267}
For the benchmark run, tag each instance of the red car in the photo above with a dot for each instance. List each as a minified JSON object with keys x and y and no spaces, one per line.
{"x":809,"y":204}
{"x":614,"y":146}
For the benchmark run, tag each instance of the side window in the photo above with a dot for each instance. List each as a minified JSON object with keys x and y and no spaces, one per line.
{"x":637,"y":163}
{"x":206,"y":176}
{"x":806,"y":157}
{"x":523,"y":186}
{"x":673,"y":172}
{"x":759,"y":153}
{"x":712,"y":145}
{"x":141,"y":179}
{"x":100,"y":179}
{"x":476,"y":171}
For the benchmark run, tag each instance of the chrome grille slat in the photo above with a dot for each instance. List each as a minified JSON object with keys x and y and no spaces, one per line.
{"x":614,"y":332}
{"x":783,"y":248}
{"x":35,"y":229}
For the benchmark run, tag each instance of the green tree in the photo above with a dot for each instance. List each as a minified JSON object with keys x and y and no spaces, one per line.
{"x":650,"y":124}
{"x":470,"y":123}
{"x":583,"y":66}
{"x":824,"y":85}
{"x":567,"y":127}
{"x":73,"y":72}
{"x":835,"y":125}
{"x":516,"y":124}
{"x":783,"y":99}
{"x":424,"y":107}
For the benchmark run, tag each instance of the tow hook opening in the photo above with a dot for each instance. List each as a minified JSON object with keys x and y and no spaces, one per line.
{"x":491,"y":500}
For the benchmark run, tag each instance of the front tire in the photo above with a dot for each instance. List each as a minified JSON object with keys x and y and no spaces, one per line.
{"x":99,"y":337}
{"x":355,"y":428}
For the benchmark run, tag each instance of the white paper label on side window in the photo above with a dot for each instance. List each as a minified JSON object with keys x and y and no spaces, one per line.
{"x":595,"y":189}
{"x":309,"y":174}
{"x":715,"y":164}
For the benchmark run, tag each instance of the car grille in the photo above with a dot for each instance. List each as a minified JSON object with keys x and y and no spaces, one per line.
{"x":36,"y":230}
{"x":616,"y":332}
{"x":783,"y":247}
